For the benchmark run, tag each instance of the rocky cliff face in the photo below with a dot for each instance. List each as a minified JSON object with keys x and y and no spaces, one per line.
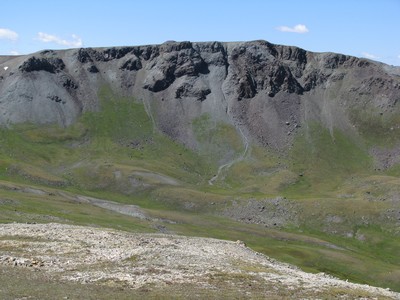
{"x":267,"y":91}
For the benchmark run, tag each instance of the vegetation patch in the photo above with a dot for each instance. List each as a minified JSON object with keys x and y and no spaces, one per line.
{"x":322,"y":160}
{"x":346,"y":213}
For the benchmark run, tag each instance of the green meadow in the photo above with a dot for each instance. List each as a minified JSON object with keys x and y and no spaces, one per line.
{"x":347,"y":213}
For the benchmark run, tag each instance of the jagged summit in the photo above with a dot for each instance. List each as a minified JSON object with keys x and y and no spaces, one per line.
{"x":256,"y":85}
{"x":293,"y":152}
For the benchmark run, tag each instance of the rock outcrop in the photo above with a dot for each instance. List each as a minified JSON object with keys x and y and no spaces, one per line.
{"x":257,"y":86}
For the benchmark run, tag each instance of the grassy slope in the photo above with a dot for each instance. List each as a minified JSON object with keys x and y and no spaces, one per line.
{"x":115,"y":154}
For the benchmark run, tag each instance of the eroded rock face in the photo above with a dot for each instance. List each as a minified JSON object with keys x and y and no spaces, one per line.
{"x":256,"y":85}
{"x":257,"y":69}
{"x":51,"y":65}
{"x":174,"y":61}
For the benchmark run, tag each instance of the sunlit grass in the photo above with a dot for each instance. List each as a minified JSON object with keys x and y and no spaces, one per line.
{"x":116,"y":154}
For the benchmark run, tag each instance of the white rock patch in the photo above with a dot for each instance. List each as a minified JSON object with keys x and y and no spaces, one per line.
{"x":90,"y":255}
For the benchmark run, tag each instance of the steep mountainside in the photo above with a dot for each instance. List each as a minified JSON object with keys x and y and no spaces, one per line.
{"x":268,"y":91}
{"x":293,"y":152}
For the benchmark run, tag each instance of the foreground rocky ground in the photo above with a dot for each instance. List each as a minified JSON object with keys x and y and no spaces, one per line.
{"x":153,"y":265}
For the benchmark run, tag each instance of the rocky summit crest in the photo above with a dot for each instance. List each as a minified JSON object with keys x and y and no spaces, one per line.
{"x":256,"y":85}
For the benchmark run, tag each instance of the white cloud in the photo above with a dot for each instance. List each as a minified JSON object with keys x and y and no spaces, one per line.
{"x":8,"y":34}
{"x":299,"y":28}
{"x":14,"y":52}
{"x":48,"y":38}
{"x":369,"y":55}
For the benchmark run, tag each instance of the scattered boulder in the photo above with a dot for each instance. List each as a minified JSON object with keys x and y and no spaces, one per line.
{"x":93,"y":69}
{"x":55,"y":98}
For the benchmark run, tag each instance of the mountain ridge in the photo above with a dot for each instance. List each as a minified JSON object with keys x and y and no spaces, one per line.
{"x":288,"y":150}
{"x":261,"y":85}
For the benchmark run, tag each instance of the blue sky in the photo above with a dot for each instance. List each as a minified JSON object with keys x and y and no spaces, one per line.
{"x":364,"y":28}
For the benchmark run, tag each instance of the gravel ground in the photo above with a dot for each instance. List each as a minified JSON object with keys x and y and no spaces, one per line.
{"x":101,"y":256}
{"x":275,"y":212}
